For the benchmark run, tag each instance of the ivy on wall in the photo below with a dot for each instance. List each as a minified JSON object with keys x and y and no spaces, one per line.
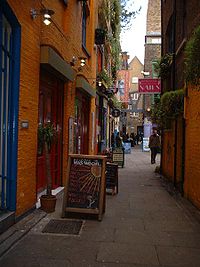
{"x":168,"y":107}
{"x":163,"y":66}
{"x":192,"y":58}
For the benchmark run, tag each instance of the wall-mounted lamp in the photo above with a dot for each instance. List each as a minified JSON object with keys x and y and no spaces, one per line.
{"x":46,"y":13}
{"x":82,"y":61}
{"x":99,"y":83}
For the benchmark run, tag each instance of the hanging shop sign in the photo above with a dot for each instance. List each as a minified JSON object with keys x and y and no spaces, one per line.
{"x":116,"y":112}
{"x":149,"y":86}
{"x":85,"y":185}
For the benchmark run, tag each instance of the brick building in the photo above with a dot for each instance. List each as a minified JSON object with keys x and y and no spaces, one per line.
{"x":181,"y":157}
{"x":42,"y":82}
{"x":135,"y":119}
{"x":152,"y":54}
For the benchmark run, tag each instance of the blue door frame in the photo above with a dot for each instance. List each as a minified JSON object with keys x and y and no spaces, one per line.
{"x":9,"y":96}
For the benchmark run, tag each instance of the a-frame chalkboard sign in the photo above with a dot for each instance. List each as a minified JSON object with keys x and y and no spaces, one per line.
{"x":85,"y":185}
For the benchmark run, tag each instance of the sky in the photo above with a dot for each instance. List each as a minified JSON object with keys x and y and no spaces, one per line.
{"x":132,"y":41}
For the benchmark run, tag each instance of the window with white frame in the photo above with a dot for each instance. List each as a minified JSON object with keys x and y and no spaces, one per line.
{"x":135,"y":80}
{"x":135,"y":96}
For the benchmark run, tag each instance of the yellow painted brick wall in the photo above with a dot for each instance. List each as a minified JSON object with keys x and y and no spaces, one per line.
{"x":64,"y":36}
{"x":28,"y":105}
{"x":192,"y":152}
{"x":179,"y":150}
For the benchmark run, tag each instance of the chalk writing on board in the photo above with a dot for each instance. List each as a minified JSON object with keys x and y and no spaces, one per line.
{"x":84,"y":183}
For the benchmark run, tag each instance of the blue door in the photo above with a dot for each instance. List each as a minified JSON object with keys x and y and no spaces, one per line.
{"x":9,"y":99}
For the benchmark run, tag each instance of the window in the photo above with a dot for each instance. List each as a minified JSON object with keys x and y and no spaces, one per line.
{"x":134,"y":79}
{"x":153,"y":40}
{"x":135,"y":114}
{"x":135,"y":96}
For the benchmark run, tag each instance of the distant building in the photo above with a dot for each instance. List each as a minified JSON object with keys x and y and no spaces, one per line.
{"x":135,"y":118}
{"x":152,"y":54}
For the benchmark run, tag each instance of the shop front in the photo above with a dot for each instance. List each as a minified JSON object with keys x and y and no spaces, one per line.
{"x":55,"y":74}
{"x":83,"y":111}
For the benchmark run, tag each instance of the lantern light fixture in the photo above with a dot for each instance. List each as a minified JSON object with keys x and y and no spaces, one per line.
{"x":46,"y":13}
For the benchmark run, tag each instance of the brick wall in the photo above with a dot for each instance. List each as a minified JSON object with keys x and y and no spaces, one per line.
{"x":192,"y":144}
{"x":153,"y":16}
{"x":64,"y":36}
{"x":152,"y":52}
{"x":187,"y":18}
{"x":168,"y":154}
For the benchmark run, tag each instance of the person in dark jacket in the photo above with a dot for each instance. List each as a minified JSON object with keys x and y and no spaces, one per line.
{"x":154,"y":145}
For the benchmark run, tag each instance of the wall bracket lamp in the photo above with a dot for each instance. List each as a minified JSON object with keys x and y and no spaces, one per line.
{"x":46,"y":13}
{"x":82,"y":61}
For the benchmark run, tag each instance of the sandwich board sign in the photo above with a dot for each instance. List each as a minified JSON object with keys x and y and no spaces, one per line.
{"x":85,"y":185}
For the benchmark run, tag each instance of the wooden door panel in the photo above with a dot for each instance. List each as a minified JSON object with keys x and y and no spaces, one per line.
{"x":51,"y":110}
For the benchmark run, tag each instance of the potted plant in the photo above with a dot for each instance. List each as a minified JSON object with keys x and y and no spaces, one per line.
{"x":46,"y":136}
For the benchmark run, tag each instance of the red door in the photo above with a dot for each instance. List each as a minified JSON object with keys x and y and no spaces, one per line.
{"x":50,"y":110}
{"x":82,"y":120}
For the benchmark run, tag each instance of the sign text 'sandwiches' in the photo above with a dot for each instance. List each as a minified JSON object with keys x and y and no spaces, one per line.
{"x":84,"y":183}
{"x":84,"y":192}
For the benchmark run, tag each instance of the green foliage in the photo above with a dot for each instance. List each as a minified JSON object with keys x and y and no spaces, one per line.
{"x":163,"y":66}
{"x":127,"y":13}
{"x":105,"y":77}
{"x":116,"y":102}
{"x":192,"y":58}
{"x":46,"y":134}
{"x":168,"y":107}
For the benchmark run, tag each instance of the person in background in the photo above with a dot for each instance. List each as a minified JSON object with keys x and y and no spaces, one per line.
{"x":132,"y":138}
{"x":154,"y":145}
{"x":118,"y":140}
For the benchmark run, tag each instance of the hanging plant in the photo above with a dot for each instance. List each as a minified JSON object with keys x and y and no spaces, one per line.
{"x":192,"y":58}
{"x":116,"y":102}
{"x":167,"y":108}
{"x":105,"y":77}
{"x":163,"y":66}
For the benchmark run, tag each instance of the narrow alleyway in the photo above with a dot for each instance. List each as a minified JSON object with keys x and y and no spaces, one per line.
{"x":143,"y":226}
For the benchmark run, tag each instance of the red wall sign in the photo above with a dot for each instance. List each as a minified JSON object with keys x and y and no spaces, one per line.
{"x":149,"y":86}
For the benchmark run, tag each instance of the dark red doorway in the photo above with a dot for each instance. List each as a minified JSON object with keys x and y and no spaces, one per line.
{"x":50,"y":110}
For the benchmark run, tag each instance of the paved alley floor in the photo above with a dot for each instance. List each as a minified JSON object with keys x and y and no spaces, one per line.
{"x":143,"y":226}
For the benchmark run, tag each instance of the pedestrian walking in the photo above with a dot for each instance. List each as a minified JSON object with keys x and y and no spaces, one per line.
{"x":118,"y":140}
{"x":154,"y":144}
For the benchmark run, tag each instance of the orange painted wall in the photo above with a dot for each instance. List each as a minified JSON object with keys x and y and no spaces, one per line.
{"x":179,"y":151}
{"x":168,"y":154}
{"x":28,"y":105}
{"x":192,"y":152}
{"x":64,"y":36}
{"x":169,"y":150}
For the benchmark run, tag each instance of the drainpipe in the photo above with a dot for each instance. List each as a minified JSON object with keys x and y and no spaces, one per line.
{"x":174,"y":87}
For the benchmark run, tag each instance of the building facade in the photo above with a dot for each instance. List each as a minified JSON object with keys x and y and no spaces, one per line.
{"x":43,"y":82}
{"x":180,"y":160}
{"x":135,"y":117}
{"x":152,"y":55}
